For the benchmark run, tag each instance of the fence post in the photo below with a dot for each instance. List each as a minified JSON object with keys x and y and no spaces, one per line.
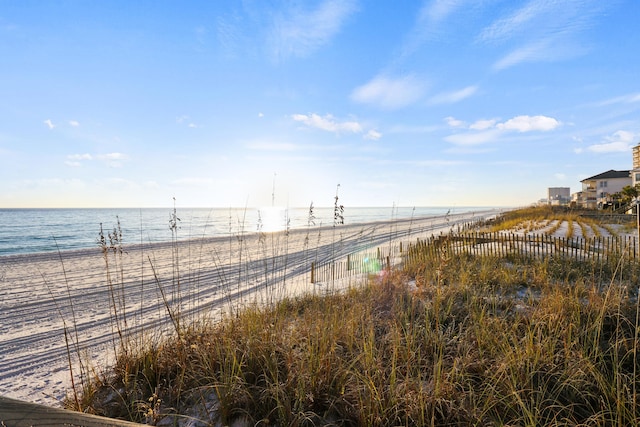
{"x":313,"y":272}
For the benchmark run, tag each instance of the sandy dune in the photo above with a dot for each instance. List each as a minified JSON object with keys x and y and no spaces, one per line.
{"x":43,"y":295}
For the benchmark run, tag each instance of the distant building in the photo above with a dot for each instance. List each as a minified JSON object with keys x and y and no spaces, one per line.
{"x":558,"y":196}
{"x":598,"y":189}
{"x":635,"y":172}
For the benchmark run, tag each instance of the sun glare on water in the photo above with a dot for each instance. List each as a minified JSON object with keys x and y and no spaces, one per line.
{"x":272,"y":218}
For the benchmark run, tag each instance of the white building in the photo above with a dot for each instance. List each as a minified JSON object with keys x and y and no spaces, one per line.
{"x":597,"y":190}
{"x":558,"y":196}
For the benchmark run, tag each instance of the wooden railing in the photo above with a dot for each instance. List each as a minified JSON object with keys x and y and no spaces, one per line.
{"x":15,"y":413}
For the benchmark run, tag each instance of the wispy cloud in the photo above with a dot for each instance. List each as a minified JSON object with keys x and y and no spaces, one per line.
{"x":518,"y":21}
{"x":114,"y":160}
{"x":620,"y":141}
{"x":455,"y":96}
{"x":428,"y":23}
{"x":474,"y":138}
{"x":49,"y":123}
{"x":85,"y":156}
{"x":186,"y":121}
{"x":75,"y":160}
{"x":328,"y":123}
{"x":297,"y":32}
{"x":390,"y":93}
{"x":623,"y":99}
{"x":543,"y":30}
{"x":528,"y":53}
{"x":74,"y":123}
{"x":489,"y":130}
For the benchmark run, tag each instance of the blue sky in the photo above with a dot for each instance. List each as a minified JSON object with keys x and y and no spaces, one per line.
{"x":433,"y":103}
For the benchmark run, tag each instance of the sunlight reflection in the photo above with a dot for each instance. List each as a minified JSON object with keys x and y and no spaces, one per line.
{"x":273,"y":218}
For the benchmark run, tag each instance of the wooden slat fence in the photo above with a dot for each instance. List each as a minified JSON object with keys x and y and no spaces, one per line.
{"x":594,"y":248}
{"x":356,"y":264}
{"x":588,"y":249}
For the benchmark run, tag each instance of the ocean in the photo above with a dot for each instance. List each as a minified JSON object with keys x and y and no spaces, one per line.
{"x":24,"y":231}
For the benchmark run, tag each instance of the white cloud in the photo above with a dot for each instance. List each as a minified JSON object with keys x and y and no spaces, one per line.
{"x":327,"y":123}
{"x":390,"y":93}
{"x":454,"y":123}
{"x":114,"y":160}
{"x":75,"y":160}
{"x":474,"y":138}
{"x":620,"y":141}
{"x":114,"y":156}
{"x":373,"y":135}
{"x":482,"y":124}
{"x":84,"y":156}
{"x":49,"y":123}
{"x":74,"y":123}
{"x":453,"y":97}
{"x":484,"y":131}
{"x":560,"y":176}
{"x":300,"y":32}
{"x":529,"y":123}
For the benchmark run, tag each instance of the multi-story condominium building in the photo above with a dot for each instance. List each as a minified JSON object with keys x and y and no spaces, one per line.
{"x":597,"y":190}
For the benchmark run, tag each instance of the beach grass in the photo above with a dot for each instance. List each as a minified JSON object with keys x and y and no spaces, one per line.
{"x":450,"y":339}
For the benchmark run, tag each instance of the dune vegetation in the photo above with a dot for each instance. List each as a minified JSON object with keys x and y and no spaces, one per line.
{"x":444,"y":339}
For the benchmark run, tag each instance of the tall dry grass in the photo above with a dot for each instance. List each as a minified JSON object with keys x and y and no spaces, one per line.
{"x":447,"y":339}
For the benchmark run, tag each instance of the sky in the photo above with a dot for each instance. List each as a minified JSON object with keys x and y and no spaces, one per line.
{"x":256,"y":102}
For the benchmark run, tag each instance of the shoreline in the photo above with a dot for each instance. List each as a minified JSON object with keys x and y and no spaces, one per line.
{"x":49,"y":230}
{"x":42,"y":293}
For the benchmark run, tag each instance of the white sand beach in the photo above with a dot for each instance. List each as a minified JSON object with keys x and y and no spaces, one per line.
{"x":89,"y":295}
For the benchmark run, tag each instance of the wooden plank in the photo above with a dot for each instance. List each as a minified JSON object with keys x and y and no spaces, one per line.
{"x":15,"y":413}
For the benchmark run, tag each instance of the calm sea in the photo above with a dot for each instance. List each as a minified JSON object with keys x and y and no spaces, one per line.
{"x":44,"y":230}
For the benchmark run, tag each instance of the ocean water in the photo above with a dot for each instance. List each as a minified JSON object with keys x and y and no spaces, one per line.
{"x":44,"y":230}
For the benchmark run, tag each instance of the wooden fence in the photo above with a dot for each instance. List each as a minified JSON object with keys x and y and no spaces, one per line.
{"x":588,"y":249}
{"x":598,"y":249}
{"x":369,"y":262}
